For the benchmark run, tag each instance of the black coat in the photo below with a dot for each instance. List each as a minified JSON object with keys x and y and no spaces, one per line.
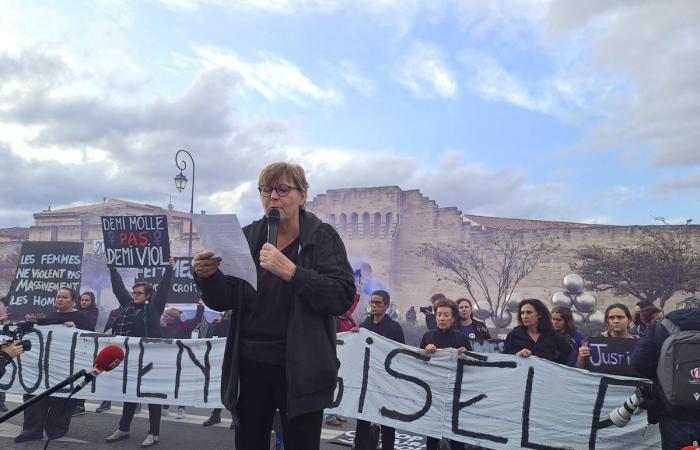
{"x":551,"y":345}
{"x":324,"y":288}
{"x":645,"y":358}
{"x":386,"y":327}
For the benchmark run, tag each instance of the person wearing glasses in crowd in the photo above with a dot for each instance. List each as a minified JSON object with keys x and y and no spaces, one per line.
{"x":380,"y":323}
{"x":281,"y":348}
{"x":139,"y":316}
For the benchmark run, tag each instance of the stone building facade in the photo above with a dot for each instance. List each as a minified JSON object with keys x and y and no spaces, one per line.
{"x":382,"y":227}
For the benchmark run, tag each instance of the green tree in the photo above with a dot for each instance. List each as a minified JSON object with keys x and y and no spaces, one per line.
{"x":490,"y":266}
{"x":659,"y":264}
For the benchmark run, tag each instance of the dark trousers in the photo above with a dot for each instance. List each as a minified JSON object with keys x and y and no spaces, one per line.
{"x":52,"y":414}
{"x":434,"y":444}
{"x":676,"y":434}
{"x":154,"y":412}
{"x":263,"y":390}
{"x":362,"y":436}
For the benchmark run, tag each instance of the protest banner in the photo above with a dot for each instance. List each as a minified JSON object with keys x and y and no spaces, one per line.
{"x":487,"y":345}
{"x":43,"y":268}
{"x":183,"y":288}
{"x":504,"y":402}
{"x":136,"y":241}
{"x":611,"y":355}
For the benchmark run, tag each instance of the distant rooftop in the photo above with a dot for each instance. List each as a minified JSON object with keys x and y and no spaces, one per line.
{"x":110,"y":202}
{"x":504,"y":223}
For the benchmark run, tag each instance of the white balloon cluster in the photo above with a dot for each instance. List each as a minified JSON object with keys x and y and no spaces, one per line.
{"x":581,"y":302}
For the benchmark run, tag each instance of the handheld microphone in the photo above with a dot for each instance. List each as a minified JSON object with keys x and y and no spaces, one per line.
{"x":273,"y":222}
{"x":107,"y":359}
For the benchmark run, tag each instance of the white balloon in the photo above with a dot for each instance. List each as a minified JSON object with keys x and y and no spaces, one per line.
{"x":573,"y":283}
{"x":561,"y":299}
{"x":514,"y":300}
{"x":504,"y":320}
{"x":597,"y":318}
{"x":483,"y":311}
{"x":585,"y":302}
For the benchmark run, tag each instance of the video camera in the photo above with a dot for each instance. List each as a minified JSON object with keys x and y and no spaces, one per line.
{"x":16,"y":334}
{"x":426,"y":309}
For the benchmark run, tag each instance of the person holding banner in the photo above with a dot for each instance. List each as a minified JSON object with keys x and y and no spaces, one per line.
{"x":379,"y":322}
{"x":444,"y":336}
{"x":140,"y":316}
{"x":281,"y":348}
{"x":89,"y":308}
{"x":53,"y":414}
{"x":534,"y":334}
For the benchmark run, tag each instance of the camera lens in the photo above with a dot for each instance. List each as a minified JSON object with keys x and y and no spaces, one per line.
{"x":26,"y":345}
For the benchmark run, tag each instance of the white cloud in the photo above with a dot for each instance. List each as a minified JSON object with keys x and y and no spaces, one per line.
{"x":350,"y":72}
{"x":426,"y":72}
{"x":271,"y":76}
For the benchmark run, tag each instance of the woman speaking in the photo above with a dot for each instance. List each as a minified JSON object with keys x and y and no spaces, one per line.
{"x":280,"y":352}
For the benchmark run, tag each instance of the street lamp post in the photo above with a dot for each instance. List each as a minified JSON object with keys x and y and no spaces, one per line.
{"x":181,"y":182}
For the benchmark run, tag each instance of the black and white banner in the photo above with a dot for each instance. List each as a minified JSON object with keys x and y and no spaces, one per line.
{"x":504,"y":402}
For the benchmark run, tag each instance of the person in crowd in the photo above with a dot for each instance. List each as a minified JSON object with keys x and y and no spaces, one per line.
{"x":563,"y":323}
{"x":88,"y":307}
{"x":140,"y":317}
{"x":534,"y":334}
{"x":618,"y":320}
{"x":3,"y":319}
{"x":445,"y":335}
{"x":649,"y":315}
{"x":382,"y":324}
{"x":346,"y":323}
{"x":53,"y":414}
{"x":638,"y":328}
{"x":175,"y":328}
{"x":411,"y":316}
{"x":679,"y":426}
{"x":281,"y":349}
{"x":467,"y":324}
{"x":430,"y":315}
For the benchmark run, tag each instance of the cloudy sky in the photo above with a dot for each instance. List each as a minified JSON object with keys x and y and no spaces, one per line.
{"x":551,"y":109}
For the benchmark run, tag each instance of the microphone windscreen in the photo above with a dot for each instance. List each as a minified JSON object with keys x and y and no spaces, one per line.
{"x":109,"y":357}
{"x":273,"y":215}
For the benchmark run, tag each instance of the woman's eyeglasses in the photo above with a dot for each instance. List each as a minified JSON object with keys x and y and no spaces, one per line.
{"x":282,"y":190}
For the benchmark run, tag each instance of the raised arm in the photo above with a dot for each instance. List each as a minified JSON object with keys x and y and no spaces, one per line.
{"x":161,"y":294}
{"x":123,"y":296}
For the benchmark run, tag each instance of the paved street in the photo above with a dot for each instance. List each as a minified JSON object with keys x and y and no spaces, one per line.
{"x":89,"y":431}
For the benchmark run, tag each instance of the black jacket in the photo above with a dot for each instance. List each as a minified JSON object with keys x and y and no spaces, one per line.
{"x":445,"y":339}
{"x":323,"y":287}
{"x":386,"y":327}
{"x":91,"y":314}
{"x":156,"y":304}
{"x":645,"y":358}
{"x":551,"y":345}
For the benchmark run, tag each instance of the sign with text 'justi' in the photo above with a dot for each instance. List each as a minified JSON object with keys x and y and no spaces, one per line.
{"x":136,"y":241}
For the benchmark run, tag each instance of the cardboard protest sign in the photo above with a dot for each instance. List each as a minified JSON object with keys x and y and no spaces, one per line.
{"x":611,"y":355}
{"x":43,"y":268}
{"x":183,"y":288}
{"x":136,"y":241}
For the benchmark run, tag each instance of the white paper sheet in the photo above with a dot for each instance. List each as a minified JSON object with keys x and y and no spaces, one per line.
{"x":222,"y":234}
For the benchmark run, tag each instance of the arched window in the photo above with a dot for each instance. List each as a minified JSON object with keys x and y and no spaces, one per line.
{"x":377,"y":224}
{"x":353,"y":223}
{"x":365,"y":225}
{"x":331,"y":219}
{"x":343,"y":223}
{"x":387,"y":226}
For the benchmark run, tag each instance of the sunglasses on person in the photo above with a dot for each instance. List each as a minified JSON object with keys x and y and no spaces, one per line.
{"x":282,"y":190}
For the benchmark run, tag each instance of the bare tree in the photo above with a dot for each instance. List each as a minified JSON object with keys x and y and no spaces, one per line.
{"x":661,"y":263}
{"x":490,"y":267}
